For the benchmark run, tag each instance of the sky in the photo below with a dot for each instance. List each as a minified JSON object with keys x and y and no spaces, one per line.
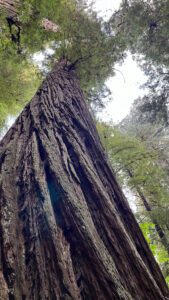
{"x":125,"y":88}
{"x":125,"y":85}
{"x":106,"y":6}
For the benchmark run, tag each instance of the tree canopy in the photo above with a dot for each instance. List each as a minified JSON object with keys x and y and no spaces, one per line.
{"x":143,"y":26}
{"x":72,"y":30}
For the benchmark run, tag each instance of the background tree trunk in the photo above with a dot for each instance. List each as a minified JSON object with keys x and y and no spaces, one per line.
{"x":66,"y":230}
{"x":159,"y":230}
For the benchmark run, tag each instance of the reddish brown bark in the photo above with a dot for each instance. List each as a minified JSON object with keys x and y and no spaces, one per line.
{"x":66,"y":230}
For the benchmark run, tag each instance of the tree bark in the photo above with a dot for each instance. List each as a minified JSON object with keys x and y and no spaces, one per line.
{"x":8,"y":6}
{"x":66,"y":230}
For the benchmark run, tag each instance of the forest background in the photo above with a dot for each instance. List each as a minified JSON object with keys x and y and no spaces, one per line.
{"x":138,"y":146}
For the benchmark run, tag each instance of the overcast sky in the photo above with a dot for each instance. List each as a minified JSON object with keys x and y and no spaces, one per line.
{"x":124,"y":90}
{"x":106,"y":6}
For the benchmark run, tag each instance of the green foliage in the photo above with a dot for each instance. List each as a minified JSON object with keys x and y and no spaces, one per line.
{"x":157,"y":249}
{"x":145,"y":227}
{"x":167,"y":280}
{"x":30,"y":16}
{"x":137,"y":164}
{"x":144,"y":26}
{"x":81,"y":37}
{"x":18,"y":83}
{"x":5,"y":37}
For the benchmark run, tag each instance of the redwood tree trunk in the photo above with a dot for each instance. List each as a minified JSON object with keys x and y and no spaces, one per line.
{"x":66,"y":230}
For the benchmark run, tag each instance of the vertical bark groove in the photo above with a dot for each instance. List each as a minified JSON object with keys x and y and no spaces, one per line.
{"x":67,"y":231}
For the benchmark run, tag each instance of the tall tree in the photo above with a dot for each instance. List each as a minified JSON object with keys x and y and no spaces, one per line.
{"x":64,"y":220}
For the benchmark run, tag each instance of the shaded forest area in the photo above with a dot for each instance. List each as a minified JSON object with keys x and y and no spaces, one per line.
{"x":70,"y":31}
